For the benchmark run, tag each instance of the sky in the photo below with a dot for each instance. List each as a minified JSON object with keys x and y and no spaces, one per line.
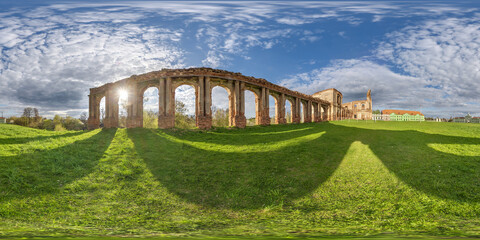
{"x":422,"y":56}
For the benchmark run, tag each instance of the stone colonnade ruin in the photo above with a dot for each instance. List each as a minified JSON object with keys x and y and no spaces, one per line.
{"x":203,"y":80}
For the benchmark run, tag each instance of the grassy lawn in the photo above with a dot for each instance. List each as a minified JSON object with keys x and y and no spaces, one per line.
{"x":336,"y":179}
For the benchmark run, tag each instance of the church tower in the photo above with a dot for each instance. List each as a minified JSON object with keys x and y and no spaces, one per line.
{"x":369,"y":99}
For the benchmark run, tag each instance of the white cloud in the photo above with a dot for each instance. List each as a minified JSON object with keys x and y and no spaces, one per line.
{"x":377,"y":18}
{"x":214,"y":59}
{"x":236,"y":39}
{"x":47,"y":52}
{"x":220,"y":98}
{"x":439,"y":61}
{"x":50,"y":62}
{"x":293,"y":21}
{"x":354,"y":77}
{"x":443,"y":52}
{"x":150,"y":99}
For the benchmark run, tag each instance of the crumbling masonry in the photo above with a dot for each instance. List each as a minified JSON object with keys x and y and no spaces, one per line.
{"x":315,"y":108}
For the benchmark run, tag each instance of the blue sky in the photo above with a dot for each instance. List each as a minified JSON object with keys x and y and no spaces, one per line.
{"x":416,"y":56}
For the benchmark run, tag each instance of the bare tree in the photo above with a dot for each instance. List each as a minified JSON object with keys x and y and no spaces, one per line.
{"x":28,"y":113}
{"x":102,"y":114}
{"x":37,"y":117}
{"x":83,"y":117}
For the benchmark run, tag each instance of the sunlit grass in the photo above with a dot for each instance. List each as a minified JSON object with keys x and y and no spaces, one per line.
{"x":328,"y":179}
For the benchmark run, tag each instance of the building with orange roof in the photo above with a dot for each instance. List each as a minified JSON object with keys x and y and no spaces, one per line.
{"x":399,"y":115}
{"x":400,"y":112}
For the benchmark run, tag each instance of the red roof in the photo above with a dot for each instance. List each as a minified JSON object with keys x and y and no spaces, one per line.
{"x":400,"y":112}
{"x":2,"y":118}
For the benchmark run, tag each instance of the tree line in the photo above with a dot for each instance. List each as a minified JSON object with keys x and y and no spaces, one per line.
{"x":183,"y":119}
{"x":32,"y":118}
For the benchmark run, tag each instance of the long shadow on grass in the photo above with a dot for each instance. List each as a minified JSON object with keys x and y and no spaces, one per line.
{"x":46,"y":171}
{"x":241,"y":179}
{"x":249,"y":136}
{"x":410,"y":156}
{"x":22,"y":140}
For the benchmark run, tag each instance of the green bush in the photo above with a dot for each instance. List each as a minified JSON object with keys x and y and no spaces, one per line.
{"x":220,"y":117}
{"x":150,"y":119}
{"x":182,"y":119}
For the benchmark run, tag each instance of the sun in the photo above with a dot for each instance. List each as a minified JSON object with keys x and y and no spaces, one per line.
{"x":122,"y":94}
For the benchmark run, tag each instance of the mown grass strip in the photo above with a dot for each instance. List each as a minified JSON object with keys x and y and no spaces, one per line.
{"x":331,"y":180}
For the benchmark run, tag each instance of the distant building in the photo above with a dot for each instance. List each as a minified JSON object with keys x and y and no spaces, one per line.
{"x":361,"y":109}
{"x":399,"y":115}
{"x":380,"y":117}
{"x":467,"y":119}
{"x":335,"y":98}
{"x":3,"y":120}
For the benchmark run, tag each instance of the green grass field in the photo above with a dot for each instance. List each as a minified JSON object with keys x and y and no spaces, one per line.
{"x":317,"y":179}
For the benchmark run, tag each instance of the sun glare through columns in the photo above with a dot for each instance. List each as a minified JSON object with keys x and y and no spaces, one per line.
{"x":122,"y":108}
{"x":122,"y":95}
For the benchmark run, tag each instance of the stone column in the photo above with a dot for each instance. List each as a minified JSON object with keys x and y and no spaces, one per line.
{"x":231,"y":103}
{"x":296,"y":111}
{"x":208,"y":98}
{"x":161,"y":98}
{"x":111,"y":108}
{"x":106,"y":120}
{"x":308,"y":112}
{"x":264,"y":107}
{"x":204,"y":115}
{"x":315,"y":112}
{"x":330,"y":113}
{"x":280,"y":110}
{"x":166,"y":104}
{"x":134,"y":109}
{"x":305,"y":111}
{"x":137,"y":107}
{"x":323,"y":113}
{"x":93,"y":118}
{"x":239,"y":120}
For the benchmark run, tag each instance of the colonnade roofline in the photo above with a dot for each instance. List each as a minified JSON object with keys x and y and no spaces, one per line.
{"x":212,"y":73}
{"x":203,"y":80}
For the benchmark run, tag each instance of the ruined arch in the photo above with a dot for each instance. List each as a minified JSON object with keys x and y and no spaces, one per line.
{"x":304,"y":111}
{"x":150,"y":97}
{"x":99,"y":109}
{"x":229,"y":86}
{"x":256,"y":108}
{"x":315,"y":112}
{"x":279,"y":104}
{"x":272,"y":109}
{"x":188,"y":117}
{"x":294,"y":110}
{"x":221,"y":108}
{"x":203,"y":80}
{"x":289,"y":113}
{"x":324,"y":114}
